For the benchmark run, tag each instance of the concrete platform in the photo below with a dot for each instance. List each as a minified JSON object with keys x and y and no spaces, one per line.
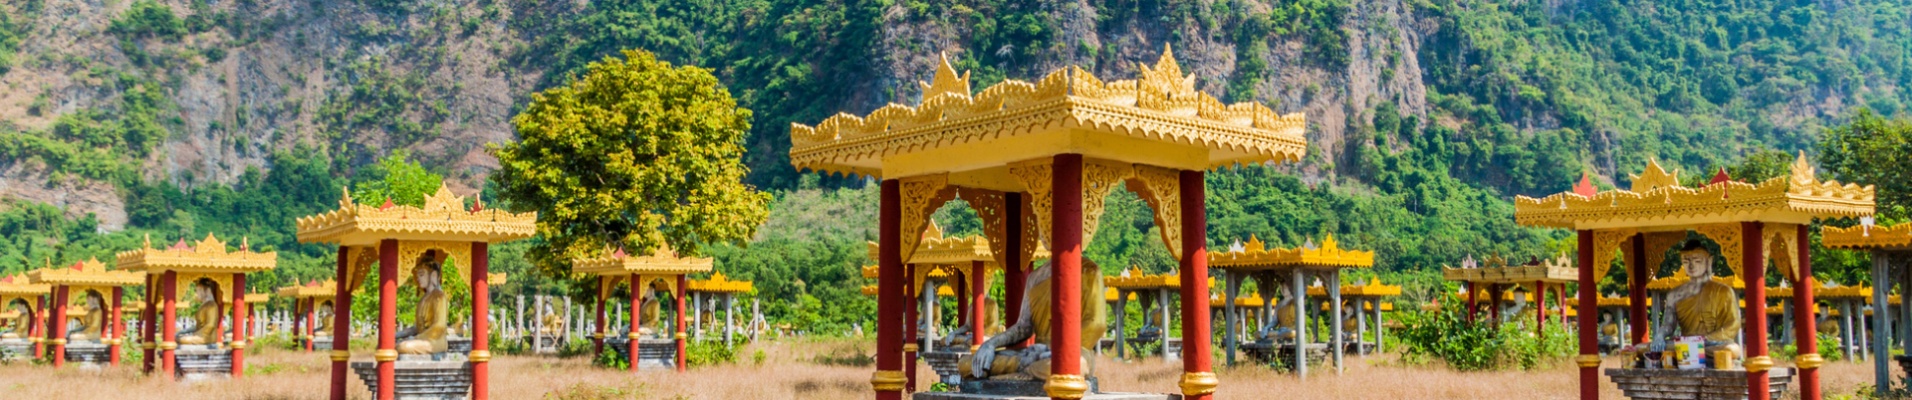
{"x":1092,"y":396}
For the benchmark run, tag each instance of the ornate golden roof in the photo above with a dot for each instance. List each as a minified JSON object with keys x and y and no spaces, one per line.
{"x":1863,"y":237}
{"x":1668,"y":283}
{"x":309,"y":290}
{"x":497,"y":278}
{"x":18,"y":284}
{"x":1658,"y":200}
{"x":1217,"y":301}
{"x":1139,"y":280}
{"x":443,"y":218}
{"x":1493,"y":271}
{"x":258,"y":297}
{"x":1159,"y":119}
{"x":718,"y":283}
{"x":664,"y":261}
{"x":1843,"y":292}
{"x":86,"y":273}
{"x":935,"y":248}
{"x":1605,"y":301}
{"x":209,"y":255}
{"x":1255,"y":256}
{"x":1374,"y":288}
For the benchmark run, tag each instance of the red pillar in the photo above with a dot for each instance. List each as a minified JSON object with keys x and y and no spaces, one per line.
{"x":1804,"y":321}
{"x":978,"y":294}
{"x":678,"y":297}
{"x":637,"y":320}
{"x":480,"y":322}
{"x":1493,"y":303}
{"x":58,"y":333}
{"x":146,"y":326}
{"x":597,"y":338}
{"x":888,"y":380}
{"x":1638,"y":274}
{"x":959,"y":285}
{"x":1540,"y":306}
{"x":387,"y":319}
{"x":342,"y":323}
{"x":1198,"y":377}
{"x":116,"y":329}
{"x":1754,"y":256}
{"x":307,"y":309}
{"x":911,"y":337}
{"x":239,"y":314}
{"x":1065,"y":283}
{"x":1589,"y":360}
{"x":168,"y":324}
{"x":1013,"y":274}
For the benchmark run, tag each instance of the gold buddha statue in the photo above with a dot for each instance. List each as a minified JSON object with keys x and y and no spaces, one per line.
{"x":427,"y":333}
{"x":16,"y":326}
{"x":88,"y":327}
{"x":322,"y":326}
{"x":1702,"y":306}
{"x":648,"y":316}
{"x":1032,"y":363}
{"x":206,"y":318}
{"x":551,"y":324}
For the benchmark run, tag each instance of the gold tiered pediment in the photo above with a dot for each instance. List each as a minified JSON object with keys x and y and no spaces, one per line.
{"x":1861,"y":237}
{"x":663,"y":261}
{"x":1796,"y":198}
{"x":442,"y":218}
{"x":718,"y":283}
{"x":1328,"y":255}
{"x":1159,"y":120}
{"x":89,"y":273}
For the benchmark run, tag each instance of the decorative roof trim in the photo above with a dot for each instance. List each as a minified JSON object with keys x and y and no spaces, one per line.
{"x":208,"y":255}
{"x":86,"y":273}
{"x":1163,"y":105}
{"x":718,"y":283}
{"x":1256,"y":256}
{"x":1800,"y":194}
{"x":1864,"y":237}
{"x":664,"y":261}
{"x":444,"y":217}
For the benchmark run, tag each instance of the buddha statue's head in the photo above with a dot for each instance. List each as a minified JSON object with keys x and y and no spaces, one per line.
{"x":1697,"y":261}
{"x":427,"y":277}
{"x":203,"y":292}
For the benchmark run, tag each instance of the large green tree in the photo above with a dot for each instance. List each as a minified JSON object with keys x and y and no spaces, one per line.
{"x":634,"y":154}
{"x":1872,"y":150}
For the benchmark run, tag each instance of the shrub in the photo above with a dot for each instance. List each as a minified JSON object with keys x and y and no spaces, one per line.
{"x":148,"y":19}
{"x":709,"y":353}
{"x":1446,"y":335}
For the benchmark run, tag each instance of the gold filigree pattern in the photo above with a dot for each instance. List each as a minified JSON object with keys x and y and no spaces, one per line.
{"x":1035,"y":179}
{"x":1162,"y":189}
{"x":1654,"y":178}
{"x":443,"y":217}
{"x":1032,"y":243}
{"x":1253,"y":257}
{"x":1730,"y":247}
{"x":1657,"y":244}
{"x":1782,"y":247}
{"x":410,"y":251}
{"x":990,"y":207}
{"x":1605,"y":243}
{"x":718,"y":283}
{"x":1098,"y":180}
{"x":921,"y":196}
{"x":946,"y":81}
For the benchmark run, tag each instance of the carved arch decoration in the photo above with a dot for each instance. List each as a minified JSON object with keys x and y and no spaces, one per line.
{"x":920,"y":197}
{"x":1099,"y":178}
{"x":991,"y":207}
{"x":923,"y":271}
{"x":1731,"y":246}
{"x":221,"y":283}
{"x":409,"y":251}
{"x":1161,"y":188}
{"x":1035,"y":179}
{"x":362,"y":259}
{"x":1657,"y":244}
{"x":669,"y":283}
{"x":1606,"y":243}
{"x":1782,"y":249}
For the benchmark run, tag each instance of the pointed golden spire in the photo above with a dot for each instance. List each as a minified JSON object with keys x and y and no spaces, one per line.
{"x":1654,"y":177}
{"x":946,"y":80}
{"x":1802,"y":171}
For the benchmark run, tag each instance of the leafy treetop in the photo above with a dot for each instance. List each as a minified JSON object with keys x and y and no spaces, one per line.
{"x":634,"y":154}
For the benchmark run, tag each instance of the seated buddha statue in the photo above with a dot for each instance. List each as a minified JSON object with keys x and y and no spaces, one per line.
{"x":322,"y":328}
{"x":15,"y":327}
{"x":994,"y":359}
{"x":427,"y":333}
{"x":1282,"y":327}
{"x":206,"y":318}
{"x":648,"y":316}
{"x":1701,"y":306}
{"x":551,"y":324}
{"x":88,"y":327}
{"x":1609,"y":329}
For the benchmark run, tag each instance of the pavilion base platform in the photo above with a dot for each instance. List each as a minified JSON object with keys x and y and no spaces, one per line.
{"x":1284,"y":354}
{"x":1006,"y":389}
{"x":1090,"y":396}
{"x":16,"y":349}
{"x":1637,"y":383}
{"x":88,"y":355}
{"x":543,"y":344}
{"x":421,"y":379}
{"x":458,"y":345}
{"x":944,"y":363}
{"x":322,"y":344}
{"x":651,"y":353}
{"x":202,"y":362}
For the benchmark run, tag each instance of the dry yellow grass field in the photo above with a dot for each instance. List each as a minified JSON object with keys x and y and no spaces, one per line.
{"x":789,"y":373}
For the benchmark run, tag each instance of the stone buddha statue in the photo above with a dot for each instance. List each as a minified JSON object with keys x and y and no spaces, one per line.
{"x":88,"y":327}
{"x":427,"y":333}
{"x":648,"y":322}
{"x":206,"y":318}
{"x":1701,"y":306}
{"x":1032,"y":363}
{"x":322,"y":326}
{"x":552,"y":324}
{"x":1282,"y":328}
